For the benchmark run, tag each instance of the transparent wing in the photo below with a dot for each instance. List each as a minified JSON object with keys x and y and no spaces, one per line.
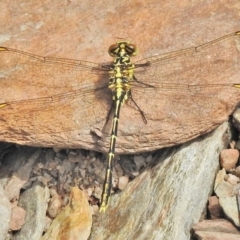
{"x":51,"y":91}
{"x":184,"y":93}
{"x":191,"y":84}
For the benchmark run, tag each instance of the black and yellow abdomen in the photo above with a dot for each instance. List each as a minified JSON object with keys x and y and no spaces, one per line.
{"x":121,"y":74}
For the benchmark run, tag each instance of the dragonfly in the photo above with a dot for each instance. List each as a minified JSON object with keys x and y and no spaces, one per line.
{"x":187,"y":91}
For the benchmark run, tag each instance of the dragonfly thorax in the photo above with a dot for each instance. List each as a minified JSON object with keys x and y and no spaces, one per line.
{"x":122,"y":70}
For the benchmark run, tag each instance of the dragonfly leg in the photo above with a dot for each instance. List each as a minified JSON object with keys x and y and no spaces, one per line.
{"x":147,"y":85}
{"x":139,"y":109}
{"x":146,"y":64}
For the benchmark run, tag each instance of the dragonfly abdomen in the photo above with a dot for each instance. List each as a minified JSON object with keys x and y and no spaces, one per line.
{"x":121,"y":75}
{"x":108,"y":177}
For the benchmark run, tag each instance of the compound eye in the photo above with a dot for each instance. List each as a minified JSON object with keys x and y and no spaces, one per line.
{"x":131,"y":49}
{"x":114,"y":50}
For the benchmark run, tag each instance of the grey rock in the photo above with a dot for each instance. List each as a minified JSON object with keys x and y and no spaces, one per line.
{"x":220,"y":177}
{"x":16,"y":172}
{"x":230,"y":208}
{"x":168,"y":198}
{"x":224,"y":189}
{"x":34,"y":201}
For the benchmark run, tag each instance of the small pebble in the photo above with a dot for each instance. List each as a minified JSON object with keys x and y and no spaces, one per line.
{"x":89,"y":191}
{"x":237,"y":171}
{"x":139,"y":161}
{"x":54,"y":206}
{"x":118,"y":169}
{"x":40,"y":165}
{"x":148,"y":158}
{"x":98,"y":192}
{"x":17,"y":218}
{"x":83,"y":172}
{"x":229,"y":158}
{"x":97,"y":171}
{"x":53,"y":192}
{"x":53,"y":164}
{"x":67,"y":165}
{"x":232,"y":179}
{"x":95,"y":209}
{"x":73,"y":158}
{"x":122,"y":182}
{"x":56,"y":150}
{"x":44,"y":180}
{"x":232,"y":144}
{"x":214,"y":208}
{"x":219,"y":178}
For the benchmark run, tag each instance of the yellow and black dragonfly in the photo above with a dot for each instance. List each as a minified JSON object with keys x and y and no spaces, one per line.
{"x":178,"y":95}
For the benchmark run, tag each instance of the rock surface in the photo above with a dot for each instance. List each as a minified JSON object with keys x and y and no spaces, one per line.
{"x":74,"y":222}
{"x":230,"y":208}
{"x":219,"y":229}
{"x":84,"y":30}
{"x":174,"y":191}
{"x":22,"y":169}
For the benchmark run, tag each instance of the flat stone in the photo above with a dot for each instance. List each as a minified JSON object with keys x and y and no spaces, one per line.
{"x":230,"y":208}
{"x":218,"y":229}
{"x":224,"y":189}
{"x":174,"y":115}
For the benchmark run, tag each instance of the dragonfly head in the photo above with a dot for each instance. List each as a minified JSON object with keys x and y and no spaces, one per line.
{"x":122,"y":47}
